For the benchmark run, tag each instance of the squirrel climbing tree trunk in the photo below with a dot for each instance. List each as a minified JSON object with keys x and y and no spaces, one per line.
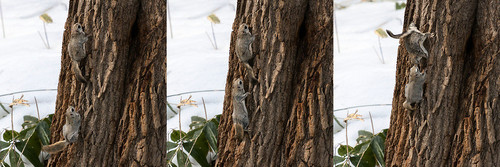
{"x":290,"y":108}
{"x":458,"y":121}
{"x":123,"y":103}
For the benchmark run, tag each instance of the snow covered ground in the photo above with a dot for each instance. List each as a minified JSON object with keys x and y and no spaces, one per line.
{"x":25,"y":62}
{"x":360,"y":76}
{"x":193,"y":64}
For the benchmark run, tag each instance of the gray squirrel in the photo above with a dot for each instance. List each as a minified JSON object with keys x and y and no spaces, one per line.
{"x":244,"y":52}
{"x":414,"y":42}
{"x":414,"y":89}
{"x":70,"y":132}
{"x":240,"y":113}
{"x":76,"y":50}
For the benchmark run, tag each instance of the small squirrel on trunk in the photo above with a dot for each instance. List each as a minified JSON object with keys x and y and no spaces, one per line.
{"x":240,"y":113}
{"x":76,"y":50}
{"x":70,"y":132}
{"x":414,"y":42}
{"x":414,"y":90}
{"x":244,"y":52}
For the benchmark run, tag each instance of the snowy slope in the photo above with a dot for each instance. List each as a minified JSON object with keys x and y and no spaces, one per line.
{"x":25,"y":62}
{"x":360,"y":76}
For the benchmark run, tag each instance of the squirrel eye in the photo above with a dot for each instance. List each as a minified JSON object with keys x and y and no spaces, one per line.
{"x":240,"y":82}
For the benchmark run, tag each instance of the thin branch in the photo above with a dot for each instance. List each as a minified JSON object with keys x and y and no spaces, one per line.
{"x":213,"y":34}
{"x":42,"y":39}
{"x":198,"y":91}
{"x":25,"y":91}
{"x":37,"y":111}
{"x":368,"y":105}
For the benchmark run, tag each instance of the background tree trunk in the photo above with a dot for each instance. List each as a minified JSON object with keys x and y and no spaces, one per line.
{"x":458,"y":121}
{"x":291,"y":107}
{"x":124,"y":103}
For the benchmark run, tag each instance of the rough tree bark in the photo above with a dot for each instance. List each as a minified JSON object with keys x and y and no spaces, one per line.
{"x":458,"y":121}
{"x":291,"y":106}
{"x":124,"y":103}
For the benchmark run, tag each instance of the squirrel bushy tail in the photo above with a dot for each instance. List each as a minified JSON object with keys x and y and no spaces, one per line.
{"x":238,"y":131}
{"x":56,"y":147}
{"x":78,"y":72}
{"x":398,"y":36}
{"x":250,"y":71}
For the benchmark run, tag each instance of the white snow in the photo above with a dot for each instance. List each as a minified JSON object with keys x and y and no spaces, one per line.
{"x":360,"y":76}
{"x":25,"y":62}
{"x":193,"y":64}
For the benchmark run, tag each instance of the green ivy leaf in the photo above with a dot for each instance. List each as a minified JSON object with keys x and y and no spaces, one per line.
{"x":377,"y":146}
{"x":199,"y":151}
{"x":338,"y":160}
{"x":170,"y":156}
{"x":210,"y":131}
{"x":360,"y":148}
{"x":343,"y":150}
{"x":26,"y":133}
{"x":29,"y":121}
{"x":3,"y":145}
{"x":7,"y":135}
{"x":175,"y":136}
{"x":43,"y":132}
{"x":367,"y":159}
{"x":193,"y":134}
{"x":196,"y":122}
{"x":182,"y":158}
{"x":14,"y":158}
{"x":3,"y":154}
{"x":32,"y":148}
{"x":217,"y":117}
{"x":171,"y":145}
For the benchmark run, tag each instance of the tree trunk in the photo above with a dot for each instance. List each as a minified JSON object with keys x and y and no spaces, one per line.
{"x":291,"y":106}
{"x":458,"y":121}
{"x":123,"y":106}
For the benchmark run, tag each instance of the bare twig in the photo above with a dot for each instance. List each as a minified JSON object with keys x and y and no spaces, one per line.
{"x":213,"y":34}
{"x":208,"y":36}
{"x":46,"y":37}
{"x":204,"y":108}
{"x":381,"y":53}
{"x":43,"y":40}
{"x":37,"y":111}
{"x":371,"y":119}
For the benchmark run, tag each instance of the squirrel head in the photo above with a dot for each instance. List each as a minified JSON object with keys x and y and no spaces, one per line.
{"x":77,"y":29}
{"x":238,"y":85}
{"x":71,"y":113}
{"x":243,"y":29}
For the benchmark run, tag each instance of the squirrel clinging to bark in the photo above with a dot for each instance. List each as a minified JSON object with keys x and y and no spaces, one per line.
{"x":244,"y":40}
{"x":414,"y":90}
{"x":240,"y":113}
{"x":414,"y":42}
{"x":76,"y":50}
{"x":70,"y":132}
